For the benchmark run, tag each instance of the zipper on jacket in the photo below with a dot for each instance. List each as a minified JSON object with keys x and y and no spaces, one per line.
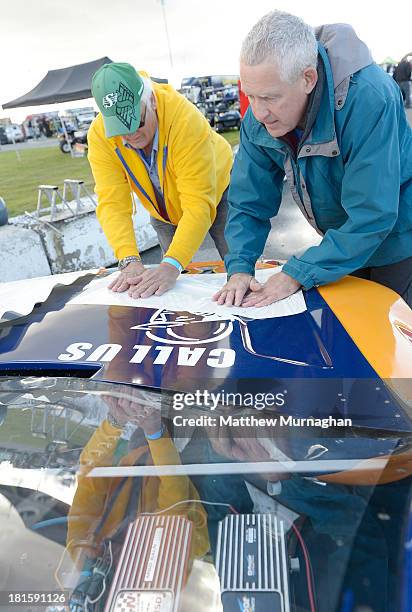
{"x":296,"y":182}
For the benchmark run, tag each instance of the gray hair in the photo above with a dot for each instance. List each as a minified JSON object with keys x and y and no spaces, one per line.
{"x":283,"y":39}
{"x":148,"y":89}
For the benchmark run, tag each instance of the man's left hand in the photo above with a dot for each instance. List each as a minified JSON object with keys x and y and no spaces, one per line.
{"x":277,"y":287}
{"x":155,"y":281}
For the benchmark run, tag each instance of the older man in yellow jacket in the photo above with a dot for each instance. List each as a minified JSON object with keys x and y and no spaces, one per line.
{"x":150,"y":140}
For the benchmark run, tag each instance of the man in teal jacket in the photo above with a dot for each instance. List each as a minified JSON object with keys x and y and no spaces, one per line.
{"x":326,"y":116}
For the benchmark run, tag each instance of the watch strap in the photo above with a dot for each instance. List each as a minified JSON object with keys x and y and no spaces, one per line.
{"x":126,"y":260}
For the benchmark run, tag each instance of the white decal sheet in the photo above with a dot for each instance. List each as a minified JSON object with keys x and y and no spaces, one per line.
{"x":192,"y":293}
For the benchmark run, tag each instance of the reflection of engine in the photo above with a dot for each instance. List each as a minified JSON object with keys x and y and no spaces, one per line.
{"x":152,"y":565}
{"x":252,"y":563}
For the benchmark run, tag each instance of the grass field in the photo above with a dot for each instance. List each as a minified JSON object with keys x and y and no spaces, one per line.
{"x":232,"y":137}
{"x":19,"y":180}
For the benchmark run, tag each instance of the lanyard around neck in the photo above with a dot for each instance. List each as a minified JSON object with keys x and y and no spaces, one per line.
{"x":161,"y":210}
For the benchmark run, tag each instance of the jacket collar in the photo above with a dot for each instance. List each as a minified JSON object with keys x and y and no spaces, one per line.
{"x":346,"y":52}
{"x":323,"y":128}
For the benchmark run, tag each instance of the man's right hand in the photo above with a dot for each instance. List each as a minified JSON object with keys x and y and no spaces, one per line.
{"x":234,"y":291}
{"x":131,"y":275}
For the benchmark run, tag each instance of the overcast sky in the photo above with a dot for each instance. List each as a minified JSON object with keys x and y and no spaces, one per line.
{"x":205,"y":35}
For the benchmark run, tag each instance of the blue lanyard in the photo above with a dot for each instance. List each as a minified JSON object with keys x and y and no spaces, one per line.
{"x":162,"y":213}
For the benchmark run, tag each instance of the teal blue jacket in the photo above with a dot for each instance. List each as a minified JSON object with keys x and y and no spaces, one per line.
{"x":352,"y":177}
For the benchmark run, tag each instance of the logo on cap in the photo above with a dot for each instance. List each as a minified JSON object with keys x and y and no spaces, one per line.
{"x":110,"y":99}
{"x":125,"y":105}
{"x":124,"y":99}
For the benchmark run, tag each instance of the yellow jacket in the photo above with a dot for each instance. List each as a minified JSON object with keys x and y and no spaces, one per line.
{"x":198,"y":164}
{"x":157,"y":493}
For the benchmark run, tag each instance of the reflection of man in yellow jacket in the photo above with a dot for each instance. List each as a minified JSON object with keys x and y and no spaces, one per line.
{"x":101,"y":504}
{"x":149,"y":139}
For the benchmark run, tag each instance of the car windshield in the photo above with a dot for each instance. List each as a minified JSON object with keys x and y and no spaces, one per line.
{"x":118,"y":497}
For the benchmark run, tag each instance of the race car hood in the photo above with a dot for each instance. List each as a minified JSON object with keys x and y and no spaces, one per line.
{"x":169,"y":349}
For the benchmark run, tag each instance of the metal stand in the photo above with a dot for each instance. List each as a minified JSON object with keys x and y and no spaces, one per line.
{"x":75,"y":187}
{"x":71,"y":187}
{"x":51,"y":192}
{"x":50,"y":422}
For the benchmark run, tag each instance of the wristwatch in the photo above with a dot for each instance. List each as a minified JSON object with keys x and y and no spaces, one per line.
{"x":126,"y":260}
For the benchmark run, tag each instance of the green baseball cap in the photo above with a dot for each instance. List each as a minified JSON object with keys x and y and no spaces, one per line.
{"x":117,"y":89}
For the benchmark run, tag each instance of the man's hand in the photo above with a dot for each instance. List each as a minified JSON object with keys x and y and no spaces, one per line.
{"x":146,"y":417}
{"x":155,"y":281}
{"x":277,"y":287}
{"x":235,"y":289}
{"x":135,"y":407}
{"x":127,"y":277}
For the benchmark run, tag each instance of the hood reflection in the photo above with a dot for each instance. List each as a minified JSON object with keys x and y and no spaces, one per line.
{"x":190,"y":530}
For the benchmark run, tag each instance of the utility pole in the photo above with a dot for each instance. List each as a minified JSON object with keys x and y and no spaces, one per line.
{"x":162,"y":2}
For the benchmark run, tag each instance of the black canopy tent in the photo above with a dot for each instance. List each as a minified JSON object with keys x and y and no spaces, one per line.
{"x":62,"y":85}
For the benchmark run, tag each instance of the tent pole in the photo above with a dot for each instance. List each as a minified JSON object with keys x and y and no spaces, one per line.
{"x":17,"y":152}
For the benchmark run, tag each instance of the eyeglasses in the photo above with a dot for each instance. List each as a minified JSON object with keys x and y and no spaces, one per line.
{"x":142,"y":119}
{"x":130,"y":137}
